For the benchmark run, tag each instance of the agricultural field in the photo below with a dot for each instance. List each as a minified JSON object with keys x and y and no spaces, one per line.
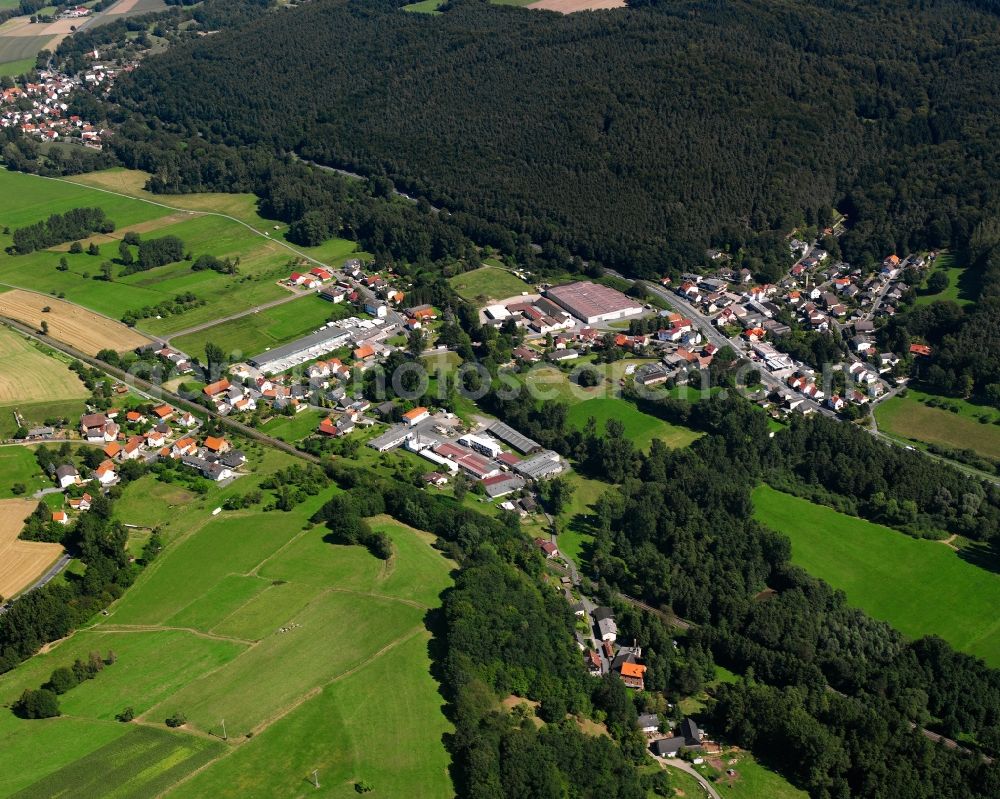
{"x":920,"y":587}
{"x":19,"y":48}
{"x":488,"y":283}
{"x":15,"y":68}
{"x":967,"y":426}
{"x":640,"y":427}
{"x":21,"y":562}
{"x":271,"y":327}
{"x":85,"y":330}
{"x":27,"y":374}
{"x":962,"y":288}
{"x":263,"y":258}
{"x":252,"y":617}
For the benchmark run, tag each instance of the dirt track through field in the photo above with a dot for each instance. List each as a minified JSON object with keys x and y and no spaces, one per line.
{"x":84,"y":330}
{"x":21,"y":562}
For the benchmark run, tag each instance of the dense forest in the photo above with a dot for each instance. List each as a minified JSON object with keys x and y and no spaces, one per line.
{"x":637,"y":137}
{"x":830,"y":694}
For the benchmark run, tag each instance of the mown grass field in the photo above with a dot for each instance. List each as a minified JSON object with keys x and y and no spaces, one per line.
{"x":920,"y":587}
{"x":294,"y":428}
{"x":752,"y":781}
{"x":263,"y":260}
{"x":640,"y":428}
{"x":252,"y":617}
{"x":18,"y":465}
{"x":962,"y":285}
{"x":17,"y":67}
{"x":251,"y":335}
{"x":143,"y":762}
{"x":575,"y":522}
{"x":488,"y":283}
{"x":910,"y":417}
{"x":424,"y":7}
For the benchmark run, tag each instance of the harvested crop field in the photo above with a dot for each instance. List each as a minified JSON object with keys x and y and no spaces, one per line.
{"x":570,"y":6}
{"x":70,"y":324}
{"x":21,"y":562}
{"x":29,"y":375}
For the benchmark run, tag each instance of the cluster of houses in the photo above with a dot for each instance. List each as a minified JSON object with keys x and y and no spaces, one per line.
{"x":41,"y":109}
{"x":161,"y":432}
{"x":479,"y":454}
{"x":821,"y":295}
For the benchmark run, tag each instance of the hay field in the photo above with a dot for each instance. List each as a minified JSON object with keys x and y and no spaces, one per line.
{"x":70,"y":324}
{"x":29,"y":375}
{"x":21,"y":562}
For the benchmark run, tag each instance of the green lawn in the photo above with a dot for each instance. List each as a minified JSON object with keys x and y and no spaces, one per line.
{"x":263,"y":261}
{"x":911,"y":417}
{"x":752,"y":781}
{"x":33,"y":750}
{"x":575,"y":522}
{"x":336,"y":734}
{"x":147,"y":502}
{"x":18,"y":465}
{"x":963,"y":286}
{"x":488,"y":283}
{"x":424,"y":7}
{"x":251,"y":335}
{"x":920,"y":587}
{"x":640,"y":428}
{"x":294,"y":428}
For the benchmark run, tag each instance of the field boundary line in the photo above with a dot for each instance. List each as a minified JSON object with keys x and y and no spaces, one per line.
{"x":247,"y":225}
{"x":255,"y":571}
{"x":160,"y":628}
{"x":202,"y":596}
{"x":312,"y":693}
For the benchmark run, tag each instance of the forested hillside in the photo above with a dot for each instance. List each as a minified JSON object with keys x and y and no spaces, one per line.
{"x":637,"y":137}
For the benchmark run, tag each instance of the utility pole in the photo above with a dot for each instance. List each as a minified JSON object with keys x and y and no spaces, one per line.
{"x":316,"y":777}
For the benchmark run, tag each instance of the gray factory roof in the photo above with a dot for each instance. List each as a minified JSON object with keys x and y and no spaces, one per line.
{"x":313,"y":345}
{"x":509,"y":435}
{"x":540,"y":465}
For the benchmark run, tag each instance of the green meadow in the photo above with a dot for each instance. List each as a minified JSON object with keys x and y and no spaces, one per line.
{"x":954,"y":422}
{"x":271,"y":327}
{"x":488,"y":283}
{"x":294,"y":428}
{"x":18,"y":465}
{"x":920,"y":587}
{"x":640,"y":428}
{"x":963,"y":286}
{"x":263,"y":260}
{"x":254,"y":618}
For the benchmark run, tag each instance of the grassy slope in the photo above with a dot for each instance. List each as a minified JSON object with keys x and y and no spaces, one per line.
{"x":753,"y":781}
{"x":199,"y":633}
{"x":262,"y":261}
{"x":962,"y":286}
{"x":251,"y":335}
{"x":909,"y":417}
{"x":294,"y":428}
{"x":640,"y":428}
{"x":18,"y":465}
{"x":920,"y":587}
{"x":488,"y":282}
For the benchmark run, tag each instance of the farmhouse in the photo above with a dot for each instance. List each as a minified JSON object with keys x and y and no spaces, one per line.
{"x":592,"y":302}
{"x":548,"y":549}
{"x":648,"y":723}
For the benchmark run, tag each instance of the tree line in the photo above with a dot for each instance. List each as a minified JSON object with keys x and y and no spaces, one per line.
{"x":77,"y":223}
{"x":550,"y":130}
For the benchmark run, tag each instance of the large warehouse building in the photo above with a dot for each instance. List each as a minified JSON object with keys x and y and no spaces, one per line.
{"x":592,"y":302}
